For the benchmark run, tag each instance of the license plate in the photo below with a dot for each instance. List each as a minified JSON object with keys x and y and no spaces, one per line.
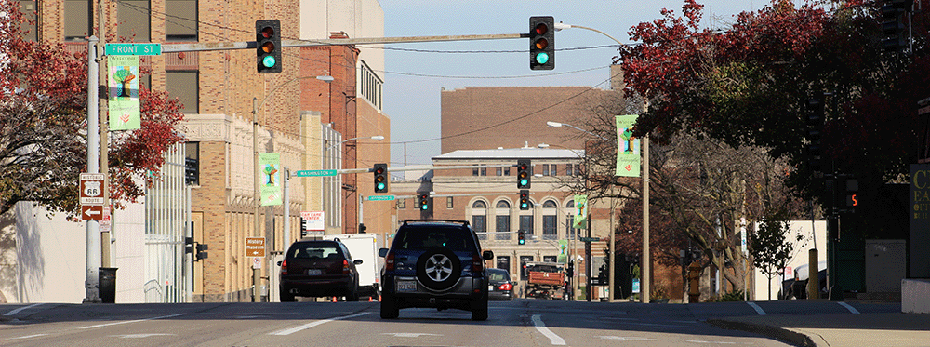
{"x":314,"y":272}
{"x":406,"y":286}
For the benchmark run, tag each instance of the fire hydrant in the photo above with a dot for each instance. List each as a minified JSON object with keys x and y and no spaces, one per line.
{"x":694,"y":282}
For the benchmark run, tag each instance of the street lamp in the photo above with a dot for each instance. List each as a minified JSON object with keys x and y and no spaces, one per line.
{"x":559,"y":125}
{"x":257,"y":193}
{"x":376,"y":138}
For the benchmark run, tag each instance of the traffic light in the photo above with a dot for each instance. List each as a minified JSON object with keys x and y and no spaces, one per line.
{"x":542,"y":43}
{"x":524,"y":171}
{"x":893,"y":13}
{"x":268,"y":37}
{"x":201,"y":252}
{"x":571,"y":268}
{"x":423,"y":201}
{"x":381,"y":181}
{"x":851,"y":196}
{"x":521,"y":238}
{"x":814,"y":120}
{"x":524,"y":199}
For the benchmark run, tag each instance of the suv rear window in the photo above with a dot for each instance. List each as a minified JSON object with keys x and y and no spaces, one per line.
{"x":313,"y":251}
{"x":424,"y":236}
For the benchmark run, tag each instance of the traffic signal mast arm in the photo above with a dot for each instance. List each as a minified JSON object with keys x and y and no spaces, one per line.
{"x":218,"y":46}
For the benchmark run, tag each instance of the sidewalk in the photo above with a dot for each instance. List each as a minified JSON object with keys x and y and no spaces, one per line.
{"x":837,"y":330}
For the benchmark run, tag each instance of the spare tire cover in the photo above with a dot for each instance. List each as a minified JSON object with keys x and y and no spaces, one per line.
{"x":438,"y":268}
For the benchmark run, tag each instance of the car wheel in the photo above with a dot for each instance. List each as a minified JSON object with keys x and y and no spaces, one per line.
{"x":479,"y":309}
{"x":353,"y":294}
{"x":438,"y":268}
{"x":287,"y":297}
{"x":389,"y":308}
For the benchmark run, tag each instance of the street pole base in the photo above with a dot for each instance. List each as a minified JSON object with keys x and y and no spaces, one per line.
{"x":91,"y":301}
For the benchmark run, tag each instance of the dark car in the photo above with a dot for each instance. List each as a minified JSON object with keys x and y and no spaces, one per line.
{"x":435,"y":264}
{"x":318,"y":269}
{"x":796,"y":287}
{"x":499,"y":285}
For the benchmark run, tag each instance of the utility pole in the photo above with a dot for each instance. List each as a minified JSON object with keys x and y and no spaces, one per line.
{"x":92,"y":233}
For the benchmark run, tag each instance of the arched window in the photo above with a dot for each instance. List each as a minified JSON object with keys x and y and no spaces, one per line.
{"x":571,"y":233}
{"x":550,"y":220}
{"x":502,"y":223}
{"x":479,"y":219}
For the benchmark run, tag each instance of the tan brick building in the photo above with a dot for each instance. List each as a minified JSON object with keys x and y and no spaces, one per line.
{"x":304,"y":119}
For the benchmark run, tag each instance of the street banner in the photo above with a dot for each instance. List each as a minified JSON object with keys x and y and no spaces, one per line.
{"x":123,"y":102}
{"x":563,"y":255}
{"x":581,"y":212}
{"x":270,"y":185}
{"x":628,"y":157}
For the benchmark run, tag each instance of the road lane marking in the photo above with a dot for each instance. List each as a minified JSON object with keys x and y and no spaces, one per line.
{"x":129,"y":321}
{"x":414,"y":335}
{"x":142,"y":336}
{"x":714,"y":342}
{"x":851,"y":309}
{"x":27,"y":337}
{"x":541,"y":327}
{"x":756,"y":307}
{"x":289,"y":331}
{"x":18,"y":310}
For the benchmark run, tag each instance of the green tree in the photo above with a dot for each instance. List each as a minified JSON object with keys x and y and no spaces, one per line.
{"x":43,"y":144}
{"x":770,"y":247}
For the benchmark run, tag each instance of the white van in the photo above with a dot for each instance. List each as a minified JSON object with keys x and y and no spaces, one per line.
{"x":364,"y":247}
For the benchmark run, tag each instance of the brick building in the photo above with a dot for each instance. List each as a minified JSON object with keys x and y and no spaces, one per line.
{"x":312,"y":124}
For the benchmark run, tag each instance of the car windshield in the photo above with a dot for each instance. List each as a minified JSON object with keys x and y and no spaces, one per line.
{"x":421,"y":237}
{"x":497,"y":276}
{"x":313,"y":251}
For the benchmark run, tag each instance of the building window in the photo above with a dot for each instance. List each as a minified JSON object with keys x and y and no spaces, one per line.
{"x":28,"y":27}
{"x":503,"y":262}
{"x":526,"y":225}
{"x":568,"y":170}
{"x":371,"y":85}
{"x":545,"y":169}
{"x":135,"y":20}
{"x":500,"y":171}
{"x":184,"y":86}
{"x":77,"y":20}
{"x":182,"y":23}
{"x":449,"y":202}
{"x":502,"y":226}
{"x":553,"y":171}
{"x":550,"y":222}
{"x":401,"y":203}
{"x":549,"y":258}
{"x":474,"y":170}
{"x":569,"y":220}
{"x":479,"y":219}
{"x":506,"y":171}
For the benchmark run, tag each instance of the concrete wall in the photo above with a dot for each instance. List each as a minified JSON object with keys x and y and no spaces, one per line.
{"x":42,"y":256}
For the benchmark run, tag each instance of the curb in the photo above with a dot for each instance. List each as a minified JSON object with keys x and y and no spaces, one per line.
{"x":781,"y":334}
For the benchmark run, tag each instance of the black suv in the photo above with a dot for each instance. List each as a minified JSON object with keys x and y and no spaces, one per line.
{"x":436,"y":264}
{"x":318,"y":269}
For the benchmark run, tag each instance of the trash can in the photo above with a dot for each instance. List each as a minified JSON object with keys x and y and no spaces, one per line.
{"x":108,"y":284}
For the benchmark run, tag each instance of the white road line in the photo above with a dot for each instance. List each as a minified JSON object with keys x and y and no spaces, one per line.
{"x":129,"y":321}
{"x":541,"y":327}
{"x":851,"y":309}
{"x":18,"y":310}
{"x":756,"y":307}
{"x":27,"y":337}
{"x":289,"y":331}
{"x":714,"y":342}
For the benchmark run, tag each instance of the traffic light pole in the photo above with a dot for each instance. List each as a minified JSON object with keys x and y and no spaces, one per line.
{"x":218,"y":46}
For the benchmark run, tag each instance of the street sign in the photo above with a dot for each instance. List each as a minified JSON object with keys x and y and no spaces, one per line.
{"x":589,"y":239}
{"x":91,"y":188}
{"x":315,"y":173}
{"x":255,"y":247}
{"x":133,"y":49}
{"x":380,"y":197}
{"x":314,"y":220}
{"x":92,"y":212}
{"x":106,"y":221}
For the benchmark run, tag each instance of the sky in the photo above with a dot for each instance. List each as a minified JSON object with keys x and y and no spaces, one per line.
{"x":416,"y":73}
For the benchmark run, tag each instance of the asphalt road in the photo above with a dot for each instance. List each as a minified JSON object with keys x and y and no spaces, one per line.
{"x":512,"y":323}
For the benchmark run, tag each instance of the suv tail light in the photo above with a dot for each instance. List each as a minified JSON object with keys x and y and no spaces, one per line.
{"x":284,"y":267}
{"x":345,"y":267}
{"x":477,"y":264}
{"x":389,"y":262}
{"x":506,"y":286}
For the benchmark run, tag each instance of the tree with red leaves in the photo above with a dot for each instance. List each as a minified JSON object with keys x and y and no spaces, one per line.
{"x":42,"y":125}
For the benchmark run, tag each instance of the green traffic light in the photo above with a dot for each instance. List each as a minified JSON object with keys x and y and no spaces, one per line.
{"x":522,"y":182}
{"x":542,"y":58}
{"x":269,"y":61}
{"x":425,"y":207}
{"x":380,"y":186}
